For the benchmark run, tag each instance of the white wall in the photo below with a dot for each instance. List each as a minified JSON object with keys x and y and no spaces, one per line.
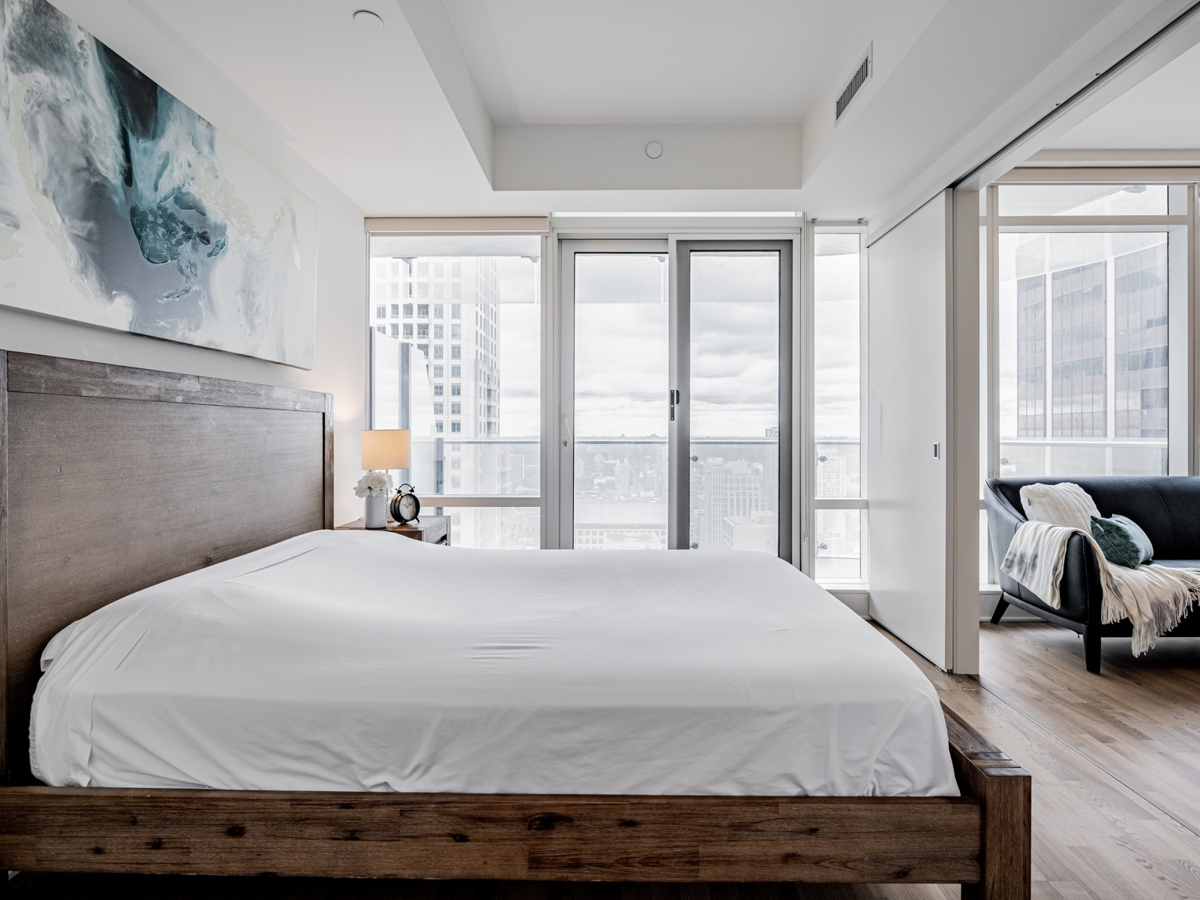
{"x":341,"y":351}
{"x":613,"y":157}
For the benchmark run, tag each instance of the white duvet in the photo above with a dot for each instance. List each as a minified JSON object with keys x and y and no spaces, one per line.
{"x":356,"y":661}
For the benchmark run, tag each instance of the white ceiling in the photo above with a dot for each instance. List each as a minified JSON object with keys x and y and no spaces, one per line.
{"x":632,"y":61}
{"x":517,"y":107}
{"x":1160,"y":113}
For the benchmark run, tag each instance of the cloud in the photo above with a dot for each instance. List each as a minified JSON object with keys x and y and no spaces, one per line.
{"x":622,"y":347}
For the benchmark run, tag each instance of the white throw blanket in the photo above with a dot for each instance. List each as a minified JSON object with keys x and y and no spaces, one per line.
{"x":1153,"y":598}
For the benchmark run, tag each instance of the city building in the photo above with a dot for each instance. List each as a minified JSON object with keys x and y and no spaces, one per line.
{"x":757,"y":531}
{"x":1094,"y":357}
{"x":446,"y":308}
{"x":620,"y":493}
{"x":438,"y":318}
{"x":729,"y":488}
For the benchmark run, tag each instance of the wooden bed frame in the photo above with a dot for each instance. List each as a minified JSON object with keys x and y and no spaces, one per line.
{"x":113,"y":479}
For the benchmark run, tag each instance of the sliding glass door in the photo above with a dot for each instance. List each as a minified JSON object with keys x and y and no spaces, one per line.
{"x":675,"y":407}
{"x":734,"y":409}
{"x":620,"y":414}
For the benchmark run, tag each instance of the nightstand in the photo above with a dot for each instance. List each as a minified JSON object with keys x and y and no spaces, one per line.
{"x":430,"y":529}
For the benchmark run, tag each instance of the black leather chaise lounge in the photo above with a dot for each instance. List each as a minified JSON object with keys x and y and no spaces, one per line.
{"x":1167,"y":509}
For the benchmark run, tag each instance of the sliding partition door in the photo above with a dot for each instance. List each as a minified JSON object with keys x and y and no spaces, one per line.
{"x":675,"y":409}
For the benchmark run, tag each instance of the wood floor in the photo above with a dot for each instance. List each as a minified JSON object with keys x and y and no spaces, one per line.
{"x":1116,"y":797}
{"x":1115,"y":758}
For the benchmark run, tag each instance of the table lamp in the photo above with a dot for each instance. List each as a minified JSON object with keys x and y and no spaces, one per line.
{"x":382,"y":450}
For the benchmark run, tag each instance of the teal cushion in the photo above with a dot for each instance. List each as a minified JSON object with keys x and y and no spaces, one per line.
{"x":1122,"y":542}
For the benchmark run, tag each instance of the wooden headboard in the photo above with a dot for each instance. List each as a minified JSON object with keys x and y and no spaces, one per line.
{"x":113,"y":479}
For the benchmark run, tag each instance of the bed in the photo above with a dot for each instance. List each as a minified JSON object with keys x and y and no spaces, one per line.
{"x":222,"y":503}
{"x":352,"y":661}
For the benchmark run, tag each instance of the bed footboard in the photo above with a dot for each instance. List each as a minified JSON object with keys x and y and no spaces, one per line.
{"x":981,"y":840}
{"x":555,"y":838}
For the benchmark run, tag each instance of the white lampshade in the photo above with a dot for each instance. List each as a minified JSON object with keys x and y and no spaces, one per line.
{"x":385,"y":449}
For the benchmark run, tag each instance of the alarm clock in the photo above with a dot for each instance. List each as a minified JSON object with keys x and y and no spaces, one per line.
{"x":405,"y":507}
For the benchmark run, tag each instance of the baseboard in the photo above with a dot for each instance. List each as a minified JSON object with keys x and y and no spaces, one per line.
{"x":857,"y":599}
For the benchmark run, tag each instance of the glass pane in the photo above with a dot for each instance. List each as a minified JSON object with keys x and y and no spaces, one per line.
{"x":735,"y":400}
{"x":984,"y":553}
{"x":621,"y":360}
{"x":839,"y":557}
{"x":1083,"y":354}
{"x":456,"y":349}
{"x":495,"y":528}
{"x":837,"y":369}
{"x":1083,"y":200}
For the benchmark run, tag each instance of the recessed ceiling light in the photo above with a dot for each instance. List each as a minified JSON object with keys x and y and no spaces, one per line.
{"x":367,"y":20}
{"x":654,"y":149}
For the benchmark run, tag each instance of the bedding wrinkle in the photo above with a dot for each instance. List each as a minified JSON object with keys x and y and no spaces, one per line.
{"x":514,"y":647}
{"x":627,"y":672}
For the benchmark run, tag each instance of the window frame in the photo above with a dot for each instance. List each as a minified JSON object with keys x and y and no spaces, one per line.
{"x":1182,"y":424}
{"x":861,"y":502}
{"x":463,"y":228}
{"x":793,"y":226}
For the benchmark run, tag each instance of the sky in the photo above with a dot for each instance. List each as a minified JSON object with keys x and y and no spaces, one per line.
{"x":621,"y":340}
{"x":518,"y":346}
{"x":621,"y":343}
{"x":621,"y":349}
{"x":837,"y":337}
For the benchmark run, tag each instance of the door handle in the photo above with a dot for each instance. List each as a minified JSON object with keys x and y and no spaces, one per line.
{"x":673,"y":398}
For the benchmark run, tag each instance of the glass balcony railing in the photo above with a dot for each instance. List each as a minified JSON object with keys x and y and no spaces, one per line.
{"x":621,"y":488}
{"x":1035,"y":457}
{"x":476,"y":466}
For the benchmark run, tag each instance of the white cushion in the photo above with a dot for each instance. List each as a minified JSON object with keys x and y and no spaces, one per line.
{"x":1059,"y":504}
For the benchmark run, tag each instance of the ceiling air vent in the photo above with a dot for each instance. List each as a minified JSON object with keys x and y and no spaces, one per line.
{"x":861,"y":76}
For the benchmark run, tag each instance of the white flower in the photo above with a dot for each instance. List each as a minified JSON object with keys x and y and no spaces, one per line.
{"x":374,"y":483}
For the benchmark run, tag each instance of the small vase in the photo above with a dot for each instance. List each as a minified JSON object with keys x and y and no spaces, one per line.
{"x":377,"y":510}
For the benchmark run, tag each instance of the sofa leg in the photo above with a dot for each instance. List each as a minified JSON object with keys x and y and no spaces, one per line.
{"x":1091,"y":648}
{"x":1001,"y":609}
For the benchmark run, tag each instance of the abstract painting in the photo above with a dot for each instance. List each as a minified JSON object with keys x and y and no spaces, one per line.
{"x":123,"y":208}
